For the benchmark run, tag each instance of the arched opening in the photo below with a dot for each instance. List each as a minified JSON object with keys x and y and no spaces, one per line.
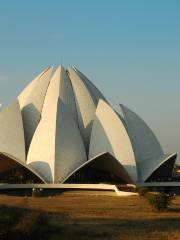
{"x":15,"y":173}
{"x":90,"y":174}
{"x":163,"y":173}
{"x":102,"y":169}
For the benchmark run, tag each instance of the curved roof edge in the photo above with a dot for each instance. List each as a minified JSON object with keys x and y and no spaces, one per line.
{"x":165,"y":158}
{"x":12,"y":139}
{"x":94,"y":91}
{"x":145,"y":144}
{"x":110,"y":135}
{"x":23,"y":164}
{"x":31,"y":102}
{"x":23,"y":95}
{"x":85,"y":105}
{"x":123,"y":173}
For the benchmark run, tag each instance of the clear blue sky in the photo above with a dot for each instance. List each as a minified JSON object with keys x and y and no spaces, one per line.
{"x":129,"y":49}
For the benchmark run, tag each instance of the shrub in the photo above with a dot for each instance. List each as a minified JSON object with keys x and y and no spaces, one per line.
{"x":160,"y":201}
{"x":142,"y":191}
{"x":37,"y":192}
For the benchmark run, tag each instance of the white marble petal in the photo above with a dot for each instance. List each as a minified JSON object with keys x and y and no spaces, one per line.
{"x":109,"y":135}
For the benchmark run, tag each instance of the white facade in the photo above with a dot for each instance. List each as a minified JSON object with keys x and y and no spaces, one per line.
{"x":94,"y":91}
{"x":63,"y":149}
{"x":147,"y":149}
{"x":109,"y":134}
{"x":11,"y":132}
{"x":31,"y":103}
{"x":84,"y":104}
{"x":62,"y":124}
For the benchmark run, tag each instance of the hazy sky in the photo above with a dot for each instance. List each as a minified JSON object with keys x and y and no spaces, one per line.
{"x":129,"y":49}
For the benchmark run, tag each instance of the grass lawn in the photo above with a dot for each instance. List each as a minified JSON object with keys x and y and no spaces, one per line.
{"x":87,"y":216}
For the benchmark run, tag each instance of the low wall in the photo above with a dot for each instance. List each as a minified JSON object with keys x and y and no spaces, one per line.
{"x":63,"y":187}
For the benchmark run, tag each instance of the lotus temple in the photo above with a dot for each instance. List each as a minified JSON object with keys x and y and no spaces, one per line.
{"x":62,"y":130}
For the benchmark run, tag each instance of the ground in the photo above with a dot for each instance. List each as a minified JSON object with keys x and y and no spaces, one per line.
{"x":87,"y":215}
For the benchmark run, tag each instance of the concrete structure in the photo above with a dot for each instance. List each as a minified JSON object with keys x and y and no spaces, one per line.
{"x":112,"y":138}
{"x":61,"y":129}
{"x":31,"y":102}
{"x":69,"y":187}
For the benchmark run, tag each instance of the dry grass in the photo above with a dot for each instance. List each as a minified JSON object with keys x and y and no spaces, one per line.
{"x":87,"y":216}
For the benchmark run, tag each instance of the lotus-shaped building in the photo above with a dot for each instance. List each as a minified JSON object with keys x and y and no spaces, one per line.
{"x":61,"y":129}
